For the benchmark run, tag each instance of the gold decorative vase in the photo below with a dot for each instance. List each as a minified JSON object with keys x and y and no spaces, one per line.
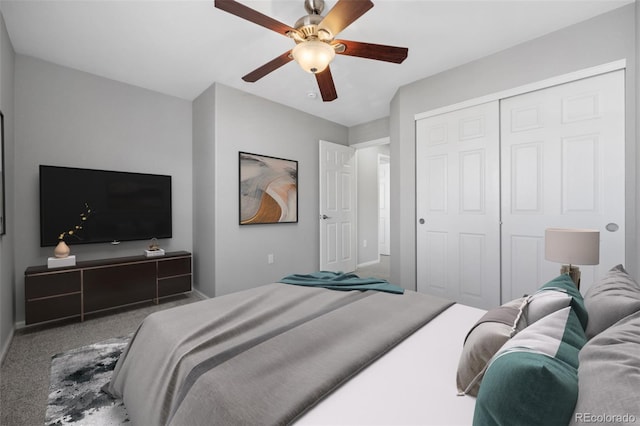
{"x":61,"y":250}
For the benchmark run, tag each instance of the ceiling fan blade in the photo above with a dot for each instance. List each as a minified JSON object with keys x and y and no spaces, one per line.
{"x":325,"y":83}
{"x":270,"y":66}
{"x":379,"y":52}
{"x":343,"y":14}
{"x":244,"y":12}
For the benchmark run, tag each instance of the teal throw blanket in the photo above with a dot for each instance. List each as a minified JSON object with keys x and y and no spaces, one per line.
{"x":341,"y":281}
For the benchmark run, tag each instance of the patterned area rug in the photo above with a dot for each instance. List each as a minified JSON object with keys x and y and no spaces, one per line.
{"x":77,"y":376}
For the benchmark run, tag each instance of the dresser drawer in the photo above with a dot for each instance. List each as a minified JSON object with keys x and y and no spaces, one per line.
{"x":174,"y":285}
{"x":173,"y":267}
{"x":37,"y":286}
{"x":52,"y":308}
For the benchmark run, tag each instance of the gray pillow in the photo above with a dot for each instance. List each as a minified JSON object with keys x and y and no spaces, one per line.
{"x":609,"y":376}
{"x":610,"y":299}
{"x":554,"y":295}
{"x":484,"y":339}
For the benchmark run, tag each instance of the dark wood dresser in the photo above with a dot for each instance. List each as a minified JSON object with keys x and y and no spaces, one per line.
{"x":97,"y":285}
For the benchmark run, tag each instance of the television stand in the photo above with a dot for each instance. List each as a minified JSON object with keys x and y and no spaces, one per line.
{"x":99,"y":285}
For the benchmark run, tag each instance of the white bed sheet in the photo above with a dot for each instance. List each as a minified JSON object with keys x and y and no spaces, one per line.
{"x":413,"y":384}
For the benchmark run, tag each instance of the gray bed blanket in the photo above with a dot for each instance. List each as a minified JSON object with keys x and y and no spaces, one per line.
{"x":260,"y":356}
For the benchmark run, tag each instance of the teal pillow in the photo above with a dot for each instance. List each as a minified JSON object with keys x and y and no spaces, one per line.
{"x":533,"y":379}
{"x":546,"y":392}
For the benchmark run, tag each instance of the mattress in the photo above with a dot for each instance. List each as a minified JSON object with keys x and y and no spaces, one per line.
{"x":414,"y":383}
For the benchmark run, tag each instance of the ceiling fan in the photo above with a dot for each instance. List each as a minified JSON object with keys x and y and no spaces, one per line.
{"x":314,"y":36}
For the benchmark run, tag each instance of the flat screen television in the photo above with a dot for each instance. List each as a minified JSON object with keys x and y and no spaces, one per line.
{"x":124,"y":206}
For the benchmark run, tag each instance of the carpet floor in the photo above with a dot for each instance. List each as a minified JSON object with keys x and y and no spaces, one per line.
{"x":25,"y":371}
{"x":380,"y":269}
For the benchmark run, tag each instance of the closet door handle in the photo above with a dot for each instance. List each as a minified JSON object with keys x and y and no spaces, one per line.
{"x":612,"y":227}
{"x":421,"y":221}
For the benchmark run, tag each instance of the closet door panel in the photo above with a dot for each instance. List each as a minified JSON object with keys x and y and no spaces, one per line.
{"x":473,"y":264}
{"x":580,"y":180}
{"x":435,"y":264}
{"x":457,"y":171}
{"x":526,"y":254}
{"x":562,"y":166}
{"x":436,"y":177}
{"x":526,"y":179}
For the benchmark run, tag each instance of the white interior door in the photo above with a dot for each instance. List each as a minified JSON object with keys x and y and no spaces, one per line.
{"x":337,"y":208}
{"x":458,"y":205}
{"x":562,"y":166}
{"x":384,"y":198}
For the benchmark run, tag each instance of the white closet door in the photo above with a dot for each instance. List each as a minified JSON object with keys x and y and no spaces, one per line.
{"x":562,"y":166}
{"x":458,"y":230}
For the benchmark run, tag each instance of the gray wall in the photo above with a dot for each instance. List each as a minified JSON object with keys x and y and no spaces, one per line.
{"x":368,"y":183}
{"x":635,"y":120}
{"x":7,"y":270}
{"x":243,"y":122}
{"x":370,"y":131}
{"x":368,"y":206}
{"x":71,"y":118}
{"x":204,"y":194}
{"x":603,"y":39}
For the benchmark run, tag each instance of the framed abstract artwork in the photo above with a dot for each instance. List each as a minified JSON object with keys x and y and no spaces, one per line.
{"x":268,"y":189}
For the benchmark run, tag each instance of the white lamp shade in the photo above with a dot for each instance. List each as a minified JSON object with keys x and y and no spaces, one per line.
{"x":572,"y":246}
{"x":313,"y":56}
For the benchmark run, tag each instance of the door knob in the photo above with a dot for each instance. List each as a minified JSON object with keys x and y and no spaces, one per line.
{"x":421,"y":221}
{"x":324,"y":216}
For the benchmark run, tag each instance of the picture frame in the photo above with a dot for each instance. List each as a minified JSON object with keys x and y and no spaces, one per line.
{"x":268,"y":189}
{"x":3,"y":217}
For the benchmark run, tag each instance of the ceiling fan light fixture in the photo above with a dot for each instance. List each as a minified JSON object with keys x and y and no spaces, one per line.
{"x":314,"y":37}
{"x":313,"y":56}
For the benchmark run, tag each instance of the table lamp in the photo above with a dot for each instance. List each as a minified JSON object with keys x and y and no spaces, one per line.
{"x":571,"y":246}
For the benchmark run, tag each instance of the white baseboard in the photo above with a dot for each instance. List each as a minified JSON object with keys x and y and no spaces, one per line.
{"x":373,"y":262}
{"x":5,"y":347}
{"x":200,"y":294}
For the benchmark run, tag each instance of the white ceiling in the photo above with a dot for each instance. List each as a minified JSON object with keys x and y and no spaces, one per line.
{"x":181,"y":47}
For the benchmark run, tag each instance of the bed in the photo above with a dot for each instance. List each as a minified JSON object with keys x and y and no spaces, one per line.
{"x":288,"y":354}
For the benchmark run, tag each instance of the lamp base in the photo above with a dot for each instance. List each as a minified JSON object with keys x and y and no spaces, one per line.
{"x":574,"y":273}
